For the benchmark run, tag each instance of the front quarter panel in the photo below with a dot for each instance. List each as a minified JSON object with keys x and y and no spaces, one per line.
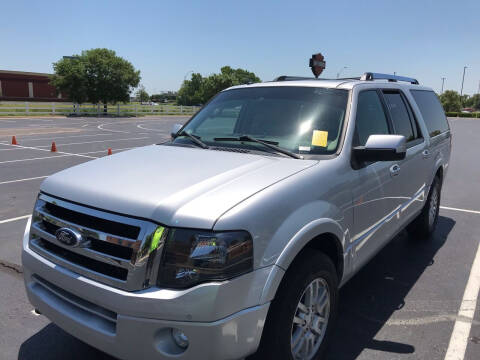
{"x":286,"y":216}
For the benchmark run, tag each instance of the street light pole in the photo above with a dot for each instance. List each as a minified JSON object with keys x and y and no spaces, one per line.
{"x":463,"y":79}
{"x":340,"y":71}
{"x":443,"y":82}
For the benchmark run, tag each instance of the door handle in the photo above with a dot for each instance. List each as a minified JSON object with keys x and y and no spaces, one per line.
{"x":426,"y":154}
{"x":394,"y":170}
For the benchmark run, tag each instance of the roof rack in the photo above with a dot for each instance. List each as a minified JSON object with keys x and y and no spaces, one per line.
{"x":293,"y":78}
{"x":369,"y":76}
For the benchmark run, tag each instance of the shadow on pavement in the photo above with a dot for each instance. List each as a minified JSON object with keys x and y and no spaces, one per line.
{"x":53,"y":343}
{"x":370,"y":298}
{"x":366,"y":303}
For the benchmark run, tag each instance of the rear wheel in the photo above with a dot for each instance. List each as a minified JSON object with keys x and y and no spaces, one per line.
{"x":424,"y":224}
{"x":301,"y":317}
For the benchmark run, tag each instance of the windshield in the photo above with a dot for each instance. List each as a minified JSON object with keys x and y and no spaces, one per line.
{"x":303,"y":120}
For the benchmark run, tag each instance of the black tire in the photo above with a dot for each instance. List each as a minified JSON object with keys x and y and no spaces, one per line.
{"x":422,"y":227}
{"x":310,"y":265}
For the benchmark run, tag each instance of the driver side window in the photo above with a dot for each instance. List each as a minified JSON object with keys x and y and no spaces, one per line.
{"x":370,"y":119}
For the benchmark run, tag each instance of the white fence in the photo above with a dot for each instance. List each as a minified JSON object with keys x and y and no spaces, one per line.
{"x":59,"y":108}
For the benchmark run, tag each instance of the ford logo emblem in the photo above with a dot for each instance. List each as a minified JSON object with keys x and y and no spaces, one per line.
{"x":68,"y":237}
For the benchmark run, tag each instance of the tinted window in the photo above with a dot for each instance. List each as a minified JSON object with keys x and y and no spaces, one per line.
{"x":305,"y":120}
{"x":371,"y":119}
{"x":399,"y":114}
{"x":431,"y":110}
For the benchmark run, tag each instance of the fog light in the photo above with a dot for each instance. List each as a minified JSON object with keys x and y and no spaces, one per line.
{"x":180,"y":338}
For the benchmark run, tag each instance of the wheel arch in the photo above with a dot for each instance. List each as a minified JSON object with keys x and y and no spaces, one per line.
{"x":330,"y":241}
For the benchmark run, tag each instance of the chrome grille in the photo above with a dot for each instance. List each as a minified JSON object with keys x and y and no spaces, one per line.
{"x":118,"y":249}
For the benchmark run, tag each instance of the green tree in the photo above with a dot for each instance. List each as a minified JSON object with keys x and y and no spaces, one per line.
{"x":451,"y":101}
{"x":200,"y":89}
{"x":96,"y":76}
{"x":142,"y":94}
{"x":475,"y":101}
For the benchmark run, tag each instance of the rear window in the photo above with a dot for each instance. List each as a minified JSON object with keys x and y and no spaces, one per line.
{"x":432,"y":111}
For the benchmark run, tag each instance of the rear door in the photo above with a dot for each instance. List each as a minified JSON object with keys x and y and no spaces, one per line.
{"x":437,"y":127}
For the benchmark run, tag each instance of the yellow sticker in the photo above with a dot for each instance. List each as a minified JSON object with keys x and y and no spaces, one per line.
{"x":319,"y":138}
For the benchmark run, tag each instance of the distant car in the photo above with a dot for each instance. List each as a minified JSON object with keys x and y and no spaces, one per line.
{"x":236,"y":235}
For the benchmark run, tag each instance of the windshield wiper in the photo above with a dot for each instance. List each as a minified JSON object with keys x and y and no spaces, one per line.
{"x":269,"y":144}
{"x":195,"y":139}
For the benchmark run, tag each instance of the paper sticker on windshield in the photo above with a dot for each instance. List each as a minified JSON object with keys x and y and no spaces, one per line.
{"x":319,"y":138}
{"x":303,"y":148}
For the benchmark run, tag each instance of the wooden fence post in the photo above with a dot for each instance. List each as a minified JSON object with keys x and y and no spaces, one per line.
{"x":27,"y":110}
{"x":53,"y":107}
{"x":118,"y":109}
{"x":135,"y":109}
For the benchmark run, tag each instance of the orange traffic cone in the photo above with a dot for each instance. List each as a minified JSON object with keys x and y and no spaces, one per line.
{"x":54,"y":147}
{"x":109,"y":151}
{"x":14,"y":140}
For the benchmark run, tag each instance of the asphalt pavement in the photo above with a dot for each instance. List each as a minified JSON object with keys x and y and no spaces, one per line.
{"x":405,"y":304}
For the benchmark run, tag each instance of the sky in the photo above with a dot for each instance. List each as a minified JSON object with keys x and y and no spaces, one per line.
{"x":167,"y":40}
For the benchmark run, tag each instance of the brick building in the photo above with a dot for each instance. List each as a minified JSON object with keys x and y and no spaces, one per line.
{"x":27,"y":86}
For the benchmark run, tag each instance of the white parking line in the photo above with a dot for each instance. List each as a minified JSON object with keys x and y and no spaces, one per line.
{"x":461,"y":330}
{"x":14,"y":219}
{"x":32,"y":159}
{"x":116,"y":131}
{"x":457,"y":209}
{"x":61,"y":137}
{"x":20,"y":180}
{"x":58,"y":152}
{"x":97,"y":141}
{"x":94,"y":152}
{"x":150,"y":129}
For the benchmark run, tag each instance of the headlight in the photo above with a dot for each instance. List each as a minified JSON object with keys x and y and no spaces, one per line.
{"x":191,"y":257}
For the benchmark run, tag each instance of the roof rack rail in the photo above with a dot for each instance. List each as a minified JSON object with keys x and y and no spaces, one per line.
{"x":369,"y":76}
{"x":293,"y":78}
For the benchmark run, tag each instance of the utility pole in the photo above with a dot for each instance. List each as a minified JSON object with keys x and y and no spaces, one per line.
{"x":478,"y":92}
{"x":443,"y":82}
{"x":463,"y":79}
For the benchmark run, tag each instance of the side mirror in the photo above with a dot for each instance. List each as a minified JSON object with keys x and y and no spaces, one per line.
{"x":175,"y":129}
{"x":382,"y":148}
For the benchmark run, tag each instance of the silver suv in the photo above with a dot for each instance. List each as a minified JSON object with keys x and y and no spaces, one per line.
{"x":234,"y":237}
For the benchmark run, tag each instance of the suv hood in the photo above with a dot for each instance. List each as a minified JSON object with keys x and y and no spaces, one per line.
{"x":175,"y":186}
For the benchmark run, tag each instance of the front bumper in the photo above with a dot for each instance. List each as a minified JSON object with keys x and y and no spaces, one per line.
{"x":221,"y":320}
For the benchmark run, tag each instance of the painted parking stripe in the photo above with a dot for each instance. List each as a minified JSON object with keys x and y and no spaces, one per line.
{"x":58,"y":152}
{"x":101,"y":127}
{"x":97,"y":141}
{"x":26,"y":179}
{"x":461,"y":330}
{"x":113,"y":150}
{"x":14,"y":219}
{"x":457,"y":209}
{"x":22,"y":138}
{"x":32,"y":159}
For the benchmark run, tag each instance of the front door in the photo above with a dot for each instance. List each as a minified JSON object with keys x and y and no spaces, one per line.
{"x":373,"y":183}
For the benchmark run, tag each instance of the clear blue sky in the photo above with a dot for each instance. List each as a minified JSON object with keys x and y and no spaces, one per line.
{"x":426,"y":39}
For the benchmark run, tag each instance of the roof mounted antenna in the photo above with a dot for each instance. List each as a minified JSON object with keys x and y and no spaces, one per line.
{"x":369,"y":76}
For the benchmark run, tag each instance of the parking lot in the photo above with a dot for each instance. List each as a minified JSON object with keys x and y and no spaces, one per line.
{"x":408,"y":303}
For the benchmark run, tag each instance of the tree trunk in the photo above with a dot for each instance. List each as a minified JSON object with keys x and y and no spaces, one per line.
{"x":105,"y":110}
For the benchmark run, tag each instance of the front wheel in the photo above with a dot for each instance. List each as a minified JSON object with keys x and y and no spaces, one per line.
{"x":301,"y":317}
